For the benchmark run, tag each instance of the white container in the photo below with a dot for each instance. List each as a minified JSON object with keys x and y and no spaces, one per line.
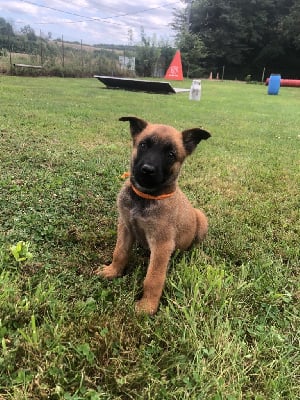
{"x":195,"y":91}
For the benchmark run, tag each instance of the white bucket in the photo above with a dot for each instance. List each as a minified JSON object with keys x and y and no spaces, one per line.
{"x":195,"y":91}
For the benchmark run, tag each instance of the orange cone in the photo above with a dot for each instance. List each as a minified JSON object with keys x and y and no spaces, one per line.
{"x":174,"y":71}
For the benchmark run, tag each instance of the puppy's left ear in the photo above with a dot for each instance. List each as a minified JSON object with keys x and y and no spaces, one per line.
{"x":191,"y":137}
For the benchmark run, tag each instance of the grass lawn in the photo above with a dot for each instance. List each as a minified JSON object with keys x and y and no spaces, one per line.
{"x":228,"y":325}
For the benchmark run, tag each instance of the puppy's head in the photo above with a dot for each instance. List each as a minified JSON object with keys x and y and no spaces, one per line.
{"x":158,"y":153}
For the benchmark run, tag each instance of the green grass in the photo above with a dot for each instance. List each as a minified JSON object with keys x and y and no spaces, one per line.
{"x":228,"y":323}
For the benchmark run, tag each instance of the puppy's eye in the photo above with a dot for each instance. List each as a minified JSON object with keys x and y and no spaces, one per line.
{"x":172,"y":154}
{"x":142,"y":146}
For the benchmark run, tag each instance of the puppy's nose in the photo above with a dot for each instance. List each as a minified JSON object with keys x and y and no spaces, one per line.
{"x":148,"y":169}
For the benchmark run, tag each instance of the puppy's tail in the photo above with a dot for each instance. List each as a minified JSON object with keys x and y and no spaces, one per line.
{"x":202,"y":226}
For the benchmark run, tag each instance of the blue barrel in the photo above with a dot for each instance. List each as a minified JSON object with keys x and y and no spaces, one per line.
{"x":274,"y":84}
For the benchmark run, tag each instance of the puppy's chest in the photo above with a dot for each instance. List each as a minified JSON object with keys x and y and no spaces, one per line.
{"x":140,"y":212}
{"x":140,"y":215}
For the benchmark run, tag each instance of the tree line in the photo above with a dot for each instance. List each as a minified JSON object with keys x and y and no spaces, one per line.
{"x":245,"y":37}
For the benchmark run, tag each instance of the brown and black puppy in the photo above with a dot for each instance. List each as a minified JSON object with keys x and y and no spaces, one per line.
{"x":152,"y":208}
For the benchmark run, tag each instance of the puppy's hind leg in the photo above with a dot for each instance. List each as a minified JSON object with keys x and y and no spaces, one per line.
{"x":202,"y":225}
{"x":120,"y":255}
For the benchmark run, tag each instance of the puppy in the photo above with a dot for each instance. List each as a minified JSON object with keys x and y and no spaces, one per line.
{"x":152,"y":209}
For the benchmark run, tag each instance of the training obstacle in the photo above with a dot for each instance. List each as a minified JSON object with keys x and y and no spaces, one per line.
{"x":28,"y":66}
{"x":112,"y":82}
{"x":174,"y":72}
{"x":287,"y":82}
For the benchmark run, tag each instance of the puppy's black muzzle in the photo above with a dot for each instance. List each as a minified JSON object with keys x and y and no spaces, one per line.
{"x":147,"y":175}
{"x":148,"y":169}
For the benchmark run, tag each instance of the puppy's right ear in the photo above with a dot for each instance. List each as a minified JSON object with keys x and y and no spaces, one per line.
{"x":137,"y":125}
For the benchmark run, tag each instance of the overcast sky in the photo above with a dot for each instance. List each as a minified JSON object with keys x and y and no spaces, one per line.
{"x":93,"y":21}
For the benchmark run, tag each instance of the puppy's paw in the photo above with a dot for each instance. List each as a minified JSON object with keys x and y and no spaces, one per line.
{"x":107,"y":272}
{"x":145,"y":306}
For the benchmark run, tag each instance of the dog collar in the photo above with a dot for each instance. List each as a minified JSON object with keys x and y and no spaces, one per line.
{"x":145,"y":195}
{"x":149,"y":196}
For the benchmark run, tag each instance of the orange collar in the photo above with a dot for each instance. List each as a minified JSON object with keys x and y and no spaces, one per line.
{"x":149,"y":196}
{"x":145,"y":195}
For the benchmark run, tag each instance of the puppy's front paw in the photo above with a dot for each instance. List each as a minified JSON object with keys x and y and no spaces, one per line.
{"x":107,"y":271}
{"x":145,"y":306}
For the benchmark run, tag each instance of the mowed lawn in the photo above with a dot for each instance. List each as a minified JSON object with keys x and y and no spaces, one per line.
{"x":228,"y":324}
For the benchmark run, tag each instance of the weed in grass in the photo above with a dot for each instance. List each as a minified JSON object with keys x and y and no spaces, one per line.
{"x":21,"y":252}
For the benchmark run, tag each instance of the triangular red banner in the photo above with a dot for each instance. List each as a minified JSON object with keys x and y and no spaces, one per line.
{"x":174,"y":71}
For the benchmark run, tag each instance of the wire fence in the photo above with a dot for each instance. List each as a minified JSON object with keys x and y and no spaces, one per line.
{"x":62,"y":59}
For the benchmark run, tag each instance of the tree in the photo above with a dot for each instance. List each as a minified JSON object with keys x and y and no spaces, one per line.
{"x":291,"y":26}
{"x":6,"y":34}
{"x":6,"y":28}
{"x":193,"y":53}
{"x":29,"y":32}
{"x":220,"y":25}
{"x":147,"y":56}
{"x":192,"y":48}
{"x":244,"y":35}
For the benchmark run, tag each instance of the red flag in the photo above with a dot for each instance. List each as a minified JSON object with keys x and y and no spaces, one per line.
{"x":174,"y":71}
